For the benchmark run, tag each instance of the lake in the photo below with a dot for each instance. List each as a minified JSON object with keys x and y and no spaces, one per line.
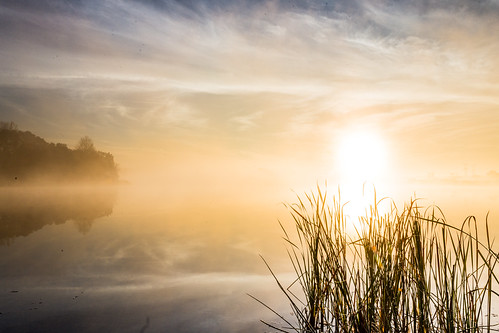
{"x":131,"y":259}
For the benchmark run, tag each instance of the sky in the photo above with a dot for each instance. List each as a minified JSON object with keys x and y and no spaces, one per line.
{"x":248,"y":94}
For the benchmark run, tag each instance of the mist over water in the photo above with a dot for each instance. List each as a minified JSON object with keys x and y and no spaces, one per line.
{"x":207,"y":116}
{"x":117,"y":259}
{"x":154,"y":258}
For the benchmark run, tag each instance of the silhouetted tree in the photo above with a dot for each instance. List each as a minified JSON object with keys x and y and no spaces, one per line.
{"x":85,"y":144}
{"x":5,"y":125}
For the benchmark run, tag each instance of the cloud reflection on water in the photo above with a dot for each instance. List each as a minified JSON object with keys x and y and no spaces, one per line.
{"x":186,"y":269}
{"x":183,"y":260}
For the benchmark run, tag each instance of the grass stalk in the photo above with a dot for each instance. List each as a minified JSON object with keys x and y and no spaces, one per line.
{"x":402,"y":271}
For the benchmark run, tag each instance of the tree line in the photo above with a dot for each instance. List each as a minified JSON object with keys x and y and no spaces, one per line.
{"x":27,"y":158}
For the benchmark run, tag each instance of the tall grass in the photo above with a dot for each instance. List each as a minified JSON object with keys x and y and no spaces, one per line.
{"x":401,"y":271}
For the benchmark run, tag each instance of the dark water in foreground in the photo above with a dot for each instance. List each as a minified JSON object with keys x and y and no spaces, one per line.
{"x":122,"y":260}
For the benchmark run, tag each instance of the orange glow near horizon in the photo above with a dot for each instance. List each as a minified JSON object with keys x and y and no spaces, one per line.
{"x":362,"y":165}
{"x":410,"y":96}
{"x":222,"y":118}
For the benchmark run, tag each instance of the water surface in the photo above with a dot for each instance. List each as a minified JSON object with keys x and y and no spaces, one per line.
{"x":131,"y":259}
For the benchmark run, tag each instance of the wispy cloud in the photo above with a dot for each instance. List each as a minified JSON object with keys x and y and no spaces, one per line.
{"x":253,"y":69}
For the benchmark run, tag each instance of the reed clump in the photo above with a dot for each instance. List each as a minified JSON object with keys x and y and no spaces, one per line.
{"x":401,"y":271}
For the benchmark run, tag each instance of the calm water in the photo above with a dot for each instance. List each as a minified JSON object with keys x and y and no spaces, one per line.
{"x":147,"y":260}
{"x":129,"y":260}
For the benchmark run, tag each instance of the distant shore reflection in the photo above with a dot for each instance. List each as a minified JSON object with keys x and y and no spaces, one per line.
{"x":26,"y":210}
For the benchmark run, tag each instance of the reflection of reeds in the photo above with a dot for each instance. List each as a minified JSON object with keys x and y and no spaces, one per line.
{"x":401,"y":272}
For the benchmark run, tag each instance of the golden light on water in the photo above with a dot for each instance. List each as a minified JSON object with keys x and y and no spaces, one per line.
{"x":216,"y":114}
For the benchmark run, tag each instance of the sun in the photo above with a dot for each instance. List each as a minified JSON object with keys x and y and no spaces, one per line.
{"x":361,"y":157}
{"x":361,"y":168}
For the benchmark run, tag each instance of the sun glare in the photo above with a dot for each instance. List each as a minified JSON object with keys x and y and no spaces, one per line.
{"x":361,"y":157}
{"x":361,"y":166}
